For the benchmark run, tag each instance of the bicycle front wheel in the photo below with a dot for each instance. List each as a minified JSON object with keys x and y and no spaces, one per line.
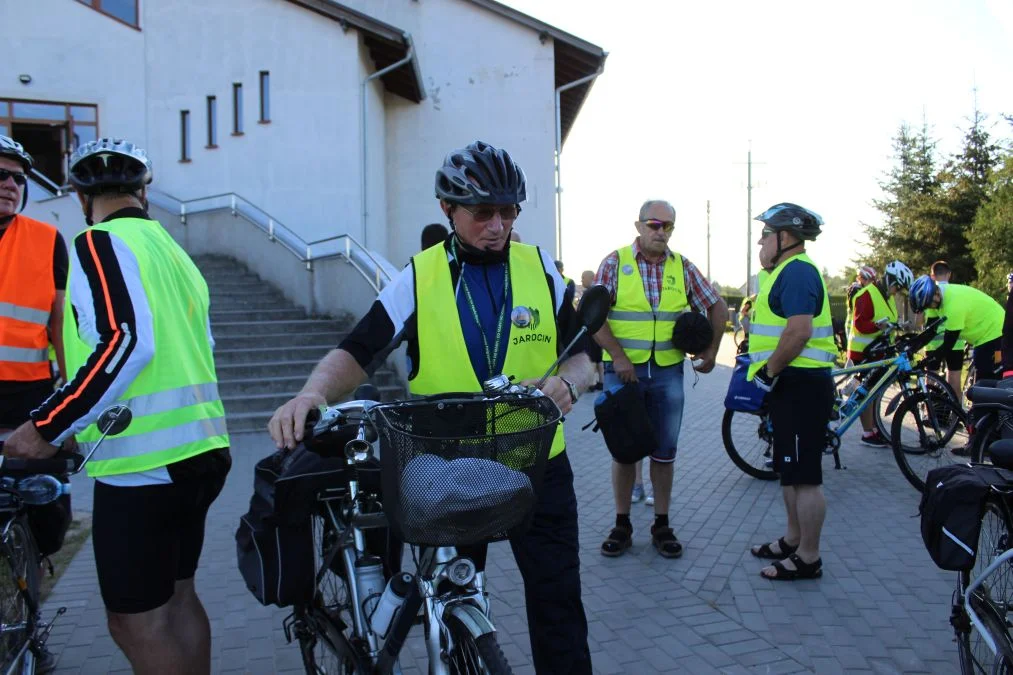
{"x":992,"y":597}
{"x":890,"y":398}
{"x":470,"y":655}
{"x":325,"y":636}
{"x":20,"y":570}
{"x":749,"y":441}
{"x":928,"y":432}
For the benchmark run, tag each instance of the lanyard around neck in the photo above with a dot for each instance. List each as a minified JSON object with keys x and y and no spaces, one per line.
{"x":491,"y":355}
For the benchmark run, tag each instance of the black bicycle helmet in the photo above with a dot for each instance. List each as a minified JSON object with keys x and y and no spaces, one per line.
{"x":109,"y":164}
{"x":798,"y":220}
{"x":693,"y":333}
{"x":480,"y":174}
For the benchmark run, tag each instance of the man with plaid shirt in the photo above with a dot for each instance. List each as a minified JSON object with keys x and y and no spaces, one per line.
{"x":650,"y":286}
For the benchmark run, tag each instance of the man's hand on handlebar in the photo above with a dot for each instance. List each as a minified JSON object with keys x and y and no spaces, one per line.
{"x":289,"y":421}
{"x":555,"y":389}
{"x":26,"y":442}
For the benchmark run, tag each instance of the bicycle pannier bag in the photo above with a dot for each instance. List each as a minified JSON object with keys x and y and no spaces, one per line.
{"x":621,"y":415}
{"x":743,"y":395}
{"x":951,"y":510}
{"x":274,"y":542}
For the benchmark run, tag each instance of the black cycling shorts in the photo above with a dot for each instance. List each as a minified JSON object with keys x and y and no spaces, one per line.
{"x":954,"y":360}
{"x":800,"y":408}
{"x":149,"y":537}
{"x":987,"y":359}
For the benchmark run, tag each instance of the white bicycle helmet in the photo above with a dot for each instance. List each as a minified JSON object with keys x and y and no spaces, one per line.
{"x":109,"y":164}
{"x":11,"y":148}
{"x":898,"y":274}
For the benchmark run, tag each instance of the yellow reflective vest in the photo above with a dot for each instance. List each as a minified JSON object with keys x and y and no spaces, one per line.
{"x":177,"y":412}
{"x":444,"y":363}
{"x":881,"y":309}
{"x":765,"y":331}
{"x":640,"y":329}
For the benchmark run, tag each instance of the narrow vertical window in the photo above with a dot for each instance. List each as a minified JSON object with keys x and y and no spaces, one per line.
{"x":237,"y":108}
{"x":265,"y":96}
{"x":184,"y":135}
{"x":212,"y":122}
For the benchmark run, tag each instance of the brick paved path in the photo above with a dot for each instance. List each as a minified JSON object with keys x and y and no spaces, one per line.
{"x":881,"y":607}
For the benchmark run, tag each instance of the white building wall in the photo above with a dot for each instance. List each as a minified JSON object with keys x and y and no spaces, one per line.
{"x":373,"y":231}
{"x":302,"y":167}
{"x":502,"y":93}
{"x":74,"y":54}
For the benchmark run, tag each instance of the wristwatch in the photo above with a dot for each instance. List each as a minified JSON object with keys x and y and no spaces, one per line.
{"x":572,"y":387}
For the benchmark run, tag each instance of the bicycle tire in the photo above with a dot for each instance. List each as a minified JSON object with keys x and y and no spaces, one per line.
{"x":470,"y":655}
{"x":888,"y":401}
{"x":757,"y":468}
{"x":21,"y":557}
{"x":943,"y":418}
{"x":325,"y":639}
{"x":988,"y":429}
{"x":975,"y":656}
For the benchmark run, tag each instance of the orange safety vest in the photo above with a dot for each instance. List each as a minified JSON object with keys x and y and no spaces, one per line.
{"x":27,"y":293}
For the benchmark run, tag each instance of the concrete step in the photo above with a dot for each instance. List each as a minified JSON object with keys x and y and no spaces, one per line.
{"x":257,"y":315}
{"x":249,"y":302}
{"x":256,"y":421}
{"x":247,"y":328}
{"x":247,"y":403}
{"x":240,"y":386}
{"x":229,"y":288}
{"x":264,"y":369}
{"x":328,"y":339}
{"x":268,"y":352}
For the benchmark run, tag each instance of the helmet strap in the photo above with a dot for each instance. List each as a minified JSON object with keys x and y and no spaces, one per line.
{"x":781,"y":251}
{"x":88,"y":206}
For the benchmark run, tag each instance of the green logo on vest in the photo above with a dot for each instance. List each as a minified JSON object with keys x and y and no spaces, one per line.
{"x":525,"y":317}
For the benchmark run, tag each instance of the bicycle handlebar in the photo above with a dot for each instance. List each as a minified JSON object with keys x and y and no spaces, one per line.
{"x":56,"y":466}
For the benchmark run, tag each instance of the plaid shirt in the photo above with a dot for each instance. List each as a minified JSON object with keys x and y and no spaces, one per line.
{"x":701,"y":294}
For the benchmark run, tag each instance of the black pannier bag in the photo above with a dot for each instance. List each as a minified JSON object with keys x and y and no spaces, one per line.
{"x":951,"y":510}
{"x":621,"y":416}
{"x":274,"y":542}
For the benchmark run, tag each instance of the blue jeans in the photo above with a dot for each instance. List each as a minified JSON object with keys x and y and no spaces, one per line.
{"x":663,"y":393}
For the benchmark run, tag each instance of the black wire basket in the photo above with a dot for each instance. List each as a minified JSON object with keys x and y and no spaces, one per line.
{"x":463,"y":469}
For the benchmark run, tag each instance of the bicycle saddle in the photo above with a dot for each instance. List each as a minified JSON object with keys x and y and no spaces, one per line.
{"x":979,"y":394}
{"x":1001,"y":453}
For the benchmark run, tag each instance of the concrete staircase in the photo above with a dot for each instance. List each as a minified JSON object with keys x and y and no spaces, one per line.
{"x":265,"y":346}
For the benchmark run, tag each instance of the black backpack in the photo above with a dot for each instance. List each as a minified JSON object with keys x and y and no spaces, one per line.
{"x":951,"y":510}
{"x":274,"y":542}
{"x":621,"y":416}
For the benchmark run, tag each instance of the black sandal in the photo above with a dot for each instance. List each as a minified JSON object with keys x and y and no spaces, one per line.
{"x":803,"y":570}
{"x":619,"y":539}
{"x":767,"y":553}
{"x":666,"y":542}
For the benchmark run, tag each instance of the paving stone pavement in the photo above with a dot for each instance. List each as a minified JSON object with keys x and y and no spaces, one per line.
{"x":881,"y":607}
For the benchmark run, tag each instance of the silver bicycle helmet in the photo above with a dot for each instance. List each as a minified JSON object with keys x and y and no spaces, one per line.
{"x":898,"y":274}
{"x":14,"y":150}
{"x":481,"y":174}
{"x":109,"y":165}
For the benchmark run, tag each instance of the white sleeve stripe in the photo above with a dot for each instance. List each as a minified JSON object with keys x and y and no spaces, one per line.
{"x":398,"y":298}
{"x":557,"y":279}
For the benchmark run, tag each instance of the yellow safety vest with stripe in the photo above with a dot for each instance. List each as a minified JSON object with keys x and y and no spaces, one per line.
{"x":177,"y":412}
{"x":641,"y":330}
{"x":444,"y":361}
{"x":761,"y":278}
{"x":881,"y":309}
{"x":765,"y":332}
{"x":937,"y":341}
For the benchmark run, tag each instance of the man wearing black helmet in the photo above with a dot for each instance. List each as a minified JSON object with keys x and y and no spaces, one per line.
{"x":456,"y":306}
{"x":137,"y":333}
{"x":792,"y":349}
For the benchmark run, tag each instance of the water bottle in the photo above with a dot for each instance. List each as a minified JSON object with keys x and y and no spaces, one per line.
{"x":390,"y":603}
{"x":369,"y":582}
{"x":40,"y":489}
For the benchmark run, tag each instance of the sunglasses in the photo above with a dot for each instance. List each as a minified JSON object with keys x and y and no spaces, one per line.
{"x":19,"y":178}
{"x":655,"y":224}
{"x":484,"y":214}
{"x":767,"y":231}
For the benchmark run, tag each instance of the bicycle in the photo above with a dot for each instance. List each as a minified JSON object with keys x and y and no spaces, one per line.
{"x":936,"y":418}
{"x":23,"y":634}
{"x":984,"y":596}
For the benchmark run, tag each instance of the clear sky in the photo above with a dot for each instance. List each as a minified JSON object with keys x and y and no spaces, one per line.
{"x":819,"y":88}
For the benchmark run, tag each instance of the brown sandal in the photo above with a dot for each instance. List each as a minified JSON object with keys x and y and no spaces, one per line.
{"x":666,"y":542}
{"x":619,"y":539}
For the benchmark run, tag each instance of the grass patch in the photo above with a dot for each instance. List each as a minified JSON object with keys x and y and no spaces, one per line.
{"x":77,"y":535}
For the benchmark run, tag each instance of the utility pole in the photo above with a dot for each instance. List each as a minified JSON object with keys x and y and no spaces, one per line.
{"x":709,"y":277}
{"x":749,"y":219}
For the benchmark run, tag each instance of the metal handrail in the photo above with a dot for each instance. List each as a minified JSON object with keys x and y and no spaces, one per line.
{"x":374,"y":269}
